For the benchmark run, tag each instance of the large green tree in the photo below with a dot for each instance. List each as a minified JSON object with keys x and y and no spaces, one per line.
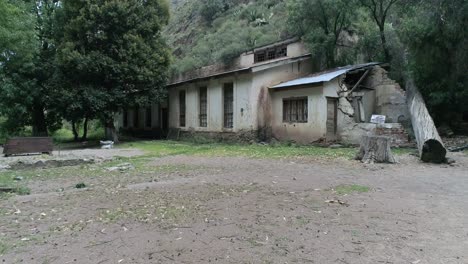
{"x":436,"y":37}
{"x":321,"y":24}
{"x":112,"y":55}
{"x":26,"y":64}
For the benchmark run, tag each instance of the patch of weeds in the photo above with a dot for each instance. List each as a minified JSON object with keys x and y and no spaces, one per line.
{"x":168,"y":148}
{"x":80,"y":185}
{"x":404,"y":151}
{"x":302,"y":221}
{"x":22,"y":191}
{"x":348,"y":189}
{"x":4,"y":247}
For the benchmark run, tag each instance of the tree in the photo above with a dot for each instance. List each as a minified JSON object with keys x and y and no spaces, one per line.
{"x":112,"y":55}
{"x":379,"y":11}
{"x":26,"y":65}
{"x":436,"y":37}
{"x":321,"y":23}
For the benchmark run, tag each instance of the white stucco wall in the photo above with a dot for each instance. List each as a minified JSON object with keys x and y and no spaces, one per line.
{"x":315,"y":128}
{"x":215,"y":111}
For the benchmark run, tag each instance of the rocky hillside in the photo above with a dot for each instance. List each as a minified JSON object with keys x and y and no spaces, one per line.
{"x":205,"y":32}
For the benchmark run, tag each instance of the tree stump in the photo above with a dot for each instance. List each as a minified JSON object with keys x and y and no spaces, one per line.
{"x":375,"y":149}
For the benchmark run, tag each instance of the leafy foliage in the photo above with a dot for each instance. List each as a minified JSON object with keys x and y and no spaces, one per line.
{"x":237,"y":26}
{"x":436,"y":34}
{"x":112,"y":55}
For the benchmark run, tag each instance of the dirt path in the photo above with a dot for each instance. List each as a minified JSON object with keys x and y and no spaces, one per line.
{"x":240,"y":210}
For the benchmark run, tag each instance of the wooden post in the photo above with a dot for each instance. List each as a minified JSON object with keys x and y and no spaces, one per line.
{"x":430,"y":145}
{"x":375,"y":149}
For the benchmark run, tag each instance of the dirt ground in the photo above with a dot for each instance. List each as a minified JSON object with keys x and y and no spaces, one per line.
{"x":188,"y":209}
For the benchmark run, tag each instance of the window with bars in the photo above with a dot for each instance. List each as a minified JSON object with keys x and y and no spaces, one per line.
{"x":228,"y":105}
{"x":203,"y":97}
{"x":182,"y":108}
{"x":136,"y":117}
{"x":271,"y":54}
{"x":125,"y":118}
{"x":148,"y":117}
{"x":295,"y":110}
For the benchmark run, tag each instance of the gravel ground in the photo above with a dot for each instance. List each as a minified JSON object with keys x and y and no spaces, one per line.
{"x":241,"y":210}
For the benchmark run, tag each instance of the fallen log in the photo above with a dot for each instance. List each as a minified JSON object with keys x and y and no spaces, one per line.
{"x":375,"y":149}
{"x":430,"y":145}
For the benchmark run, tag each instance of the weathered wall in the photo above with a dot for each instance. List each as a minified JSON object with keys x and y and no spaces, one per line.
{"x":215,"y":111}
{"x":390,"y":98}
{"x":142,"y":130}
{"x":303,"y":133}
{"x":352,"y":134}
{"x":264,"y":79}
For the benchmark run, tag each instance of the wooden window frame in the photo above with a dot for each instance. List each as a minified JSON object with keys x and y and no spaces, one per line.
{"x":228,"y":105}
{"x":182,"y":108}
{"x":203,"y":106}
{"x":296,"y":110}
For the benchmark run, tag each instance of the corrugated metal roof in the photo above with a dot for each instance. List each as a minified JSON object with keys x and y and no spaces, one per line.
{"x":324,"y":76}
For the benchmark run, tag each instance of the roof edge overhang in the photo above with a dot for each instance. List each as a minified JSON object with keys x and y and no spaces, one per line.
{"x":251,"y":69}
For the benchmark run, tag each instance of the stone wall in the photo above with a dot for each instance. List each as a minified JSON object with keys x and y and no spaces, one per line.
{"x":353,"y":133}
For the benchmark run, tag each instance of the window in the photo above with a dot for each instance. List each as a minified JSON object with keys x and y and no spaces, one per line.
{"x":203,"y":107}
{"x":228,"y":105}
{"x":148,"y":117}
{"x":182,"y":108}
{"x":136,"y":117}
{"x":125,"y":118}
{"x":271,"y":53}
{"x":295,"y":110}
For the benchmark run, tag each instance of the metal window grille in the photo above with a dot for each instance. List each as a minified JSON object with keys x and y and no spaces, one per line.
{"x":295,"y":110}
{"x":148,"y":117}
{"x":182,"y":108}
{"x":203,"y":107}
{"x":125,"y":118}
{"x":136,"y":117}
{"x":271,"y":53}
{"x":228,"y":105}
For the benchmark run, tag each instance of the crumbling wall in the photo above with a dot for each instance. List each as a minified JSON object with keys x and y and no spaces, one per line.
{"x":353,"y":133}
{"x":390,"y":99}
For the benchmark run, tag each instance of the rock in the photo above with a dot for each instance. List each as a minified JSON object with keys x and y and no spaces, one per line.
{"x":335,"y":146}
{"x":445,"y":131}
{"x":18,"y":178}
{"x":451,"y":161}
{"x":5,"y":167}
{"x":122,"y":167}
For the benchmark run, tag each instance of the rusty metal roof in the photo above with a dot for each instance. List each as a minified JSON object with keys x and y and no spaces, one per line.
{"x":324,"y":76}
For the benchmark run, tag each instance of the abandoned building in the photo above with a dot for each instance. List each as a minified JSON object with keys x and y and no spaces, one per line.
{"x":272,"y":92}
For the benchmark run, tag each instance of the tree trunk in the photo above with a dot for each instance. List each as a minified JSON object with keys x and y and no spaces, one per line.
{"x":111,"y":133}
{"x":85,"y":130}
{"x":430,"y":145}
{"x":375,"y":149}
{"x":39,"y":122}
{"x":383,"y":39}
{"x":75,"y":131}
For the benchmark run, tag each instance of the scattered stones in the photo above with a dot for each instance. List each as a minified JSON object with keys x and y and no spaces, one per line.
{"x":122,"y":167}
{"x":52,"y":163}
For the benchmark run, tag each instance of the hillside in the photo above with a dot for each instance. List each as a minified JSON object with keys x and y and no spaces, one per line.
{"x":206,"y":32}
